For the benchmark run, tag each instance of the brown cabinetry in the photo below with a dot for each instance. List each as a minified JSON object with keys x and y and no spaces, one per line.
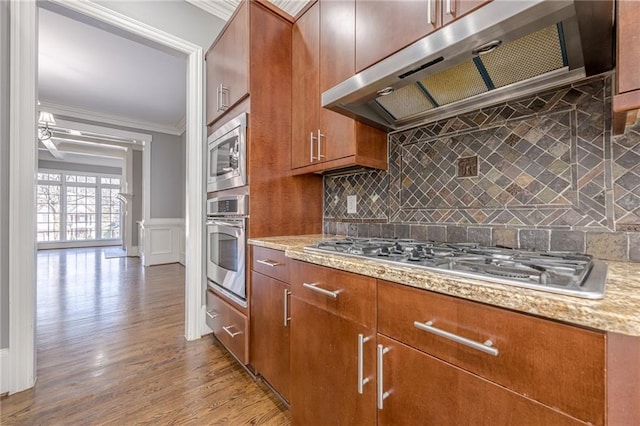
{"x":384,"y":27}
{"x":425,"y":390}
{"x":229,"y":325}
{"x":227,"y":65}
{"x":270,"y":294}
{"x":332,"y":347}
{"x":323,"y":55}
{"x":626,"y":101}
{"x":516,"y":351}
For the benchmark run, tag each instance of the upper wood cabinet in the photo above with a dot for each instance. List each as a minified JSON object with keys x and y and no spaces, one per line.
{"x":227,"y":65}
{"x":626,"y":101}
{"x":323,"y":55}
{"x":384,"y":27}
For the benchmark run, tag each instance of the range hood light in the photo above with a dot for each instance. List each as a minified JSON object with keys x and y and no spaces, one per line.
{"x":486,"y":48}
{"x":386,"y":91}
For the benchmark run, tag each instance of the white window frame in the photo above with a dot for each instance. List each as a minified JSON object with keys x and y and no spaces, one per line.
{"x":63,"y":242}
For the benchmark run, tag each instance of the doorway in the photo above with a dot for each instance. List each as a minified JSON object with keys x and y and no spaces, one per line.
{"x":21,"y":265}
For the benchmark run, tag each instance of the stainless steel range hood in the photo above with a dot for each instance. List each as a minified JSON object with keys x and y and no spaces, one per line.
{"x":505,"y":49}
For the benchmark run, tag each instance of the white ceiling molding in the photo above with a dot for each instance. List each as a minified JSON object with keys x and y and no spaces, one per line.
{"x":223,"y":9}
{"x":71,"y":157}
{"x":125,"y":135}
{"x":107,"y":118}
{"x":292,"y":7}
{"x":182,"y":125}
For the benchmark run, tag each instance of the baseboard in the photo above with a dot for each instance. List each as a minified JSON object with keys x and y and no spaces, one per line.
{"x":77,"y":244}
{"x":133,"y":252}
{"x":4,"y":371}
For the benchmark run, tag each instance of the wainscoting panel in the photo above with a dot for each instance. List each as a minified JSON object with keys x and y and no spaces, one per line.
{"x":161,"y":241}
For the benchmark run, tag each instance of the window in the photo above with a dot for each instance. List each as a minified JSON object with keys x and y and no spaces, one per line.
{"x":48,"y":207}
{"x":77,"y":206}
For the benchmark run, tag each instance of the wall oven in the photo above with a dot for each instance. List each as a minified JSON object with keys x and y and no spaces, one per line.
{"x":226,"y":245}
{"x":227,"y":155}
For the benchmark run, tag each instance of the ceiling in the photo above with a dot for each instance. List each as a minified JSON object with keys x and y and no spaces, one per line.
{"x":88,"y":71}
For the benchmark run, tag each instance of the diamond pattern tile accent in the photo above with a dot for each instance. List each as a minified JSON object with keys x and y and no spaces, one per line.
{"x":509,"y":165}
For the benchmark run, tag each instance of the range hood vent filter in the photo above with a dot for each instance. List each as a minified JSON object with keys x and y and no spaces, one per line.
{"x":530,"y":56}
{"x":459,"y":82}
{"x":526,"y":57}
{"x":405,"y":102}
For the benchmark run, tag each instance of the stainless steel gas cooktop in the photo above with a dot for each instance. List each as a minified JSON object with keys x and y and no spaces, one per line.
{"x":573,"y":274}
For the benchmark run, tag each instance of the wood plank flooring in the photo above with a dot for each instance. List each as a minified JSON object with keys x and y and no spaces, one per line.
{"x":111,"y":350}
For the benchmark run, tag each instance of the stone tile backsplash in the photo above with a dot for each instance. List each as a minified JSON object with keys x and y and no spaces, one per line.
{"x":549,"y":177}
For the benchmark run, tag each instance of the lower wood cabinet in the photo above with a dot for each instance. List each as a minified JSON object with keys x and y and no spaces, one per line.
{"x":423,"y":390}
{"x":328,"y":359}
{"x":364,"y":352}
{"x":229,"y":326}
{"x":332,"y":347}
{"x":270,"y":331}
{"x":550,"y":362}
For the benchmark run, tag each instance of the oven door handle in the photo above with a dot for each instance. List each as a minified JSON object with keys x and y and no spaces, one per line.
{"x":221,"y":223}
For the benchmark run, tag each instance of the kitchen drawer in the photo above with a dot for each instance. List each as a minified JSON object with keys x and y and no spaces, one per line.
{"x":345,"y":294}
{"x":559,"y":365}
{"x":425,"y":390}
{"x":271,"y":263}
{"x":229,"y":326}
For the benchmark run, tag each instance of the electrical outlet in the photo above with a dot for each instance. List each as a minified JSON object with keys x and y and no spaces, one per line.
{"x":352,"y":203}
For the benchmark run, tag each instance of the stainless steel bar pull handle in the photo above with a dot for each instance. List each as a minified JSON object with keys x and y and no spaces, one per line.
{"x":223,"y":90}
{"x":447,"y":7}
{"x":311,"y":150}
{"x":213,"y":314}
{"x":270,"y":263}
{"x":361,"y":379}
{"x":486,"y":347}
{"x":320,"y":136}
{"x":217,"y":98}
{"x":314,"y":287}
{"x":382,"y":395}
{"x":287,"y":318}
{"x":430,"y":12}
{"x":231,"y":333}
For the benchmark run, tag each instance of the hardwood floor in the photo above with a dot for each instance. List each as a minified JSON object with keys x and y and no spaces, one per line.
{"x":111,"y":350}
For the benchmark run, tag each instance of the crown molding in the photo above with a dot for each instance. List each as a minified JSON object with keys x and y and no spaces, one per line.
{"x":222,"y":9}
{"x":99,"y":117}
{"x":182,"y":125}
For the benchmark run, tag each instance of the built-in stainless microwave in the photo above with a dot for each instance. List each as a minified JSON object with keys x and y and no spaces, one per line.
{"x":227,"y":155}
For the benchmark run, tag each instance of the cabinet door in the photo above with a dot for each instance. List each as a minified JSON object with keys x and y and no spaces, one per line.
{"x":426,"y":391}
{"x":454,"y":9}
{"x":236,"y":51}
{"x":337,"y":63}
{"x":270,"y":331}
{"x":384,"y":27}
{"x":306,"y":92}
{"x":215,"y":75}
{"x":324,"y":369}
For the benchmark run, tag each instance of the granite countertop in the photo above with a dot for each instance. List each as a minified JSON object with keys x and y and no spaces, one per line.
{"x":618,"y":311}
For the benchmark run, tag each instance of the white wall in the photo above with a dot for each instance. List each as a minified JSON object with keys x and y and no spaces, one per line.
{"x":175,"y":17}
{"x":4,"y":174}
